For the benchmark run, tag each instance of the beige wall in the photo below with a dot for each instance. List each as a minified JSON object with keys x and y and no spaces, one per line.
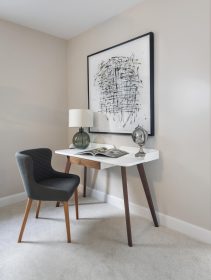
{"x":33,"y":101}
{"x":180,"y":180}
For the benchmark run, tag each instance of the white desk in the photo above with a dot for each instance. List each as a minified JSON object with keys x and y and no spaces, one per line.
{"x":100,"y":162}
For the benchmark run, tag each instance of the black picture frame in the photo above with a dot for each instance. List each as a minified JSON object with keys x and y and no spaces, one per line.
{"x":149,"y":53}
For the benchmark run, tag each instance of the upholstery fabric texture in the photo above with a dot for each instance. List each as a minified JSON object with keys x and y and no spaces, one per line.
{"x":40,"y":180}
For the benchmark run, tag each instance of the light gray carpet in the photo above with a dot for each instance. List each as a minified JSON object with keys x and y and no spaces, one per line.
{"x":99,"y":249}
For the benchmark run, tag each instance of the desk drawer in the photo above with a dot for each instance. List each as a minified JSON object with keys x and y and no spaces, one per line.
{"x":85,"y":162}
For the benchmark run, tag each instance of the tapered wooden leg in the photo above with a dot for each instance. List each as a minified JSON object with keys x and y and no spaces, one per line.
{"x":76,"y":204}
{"x":38,"y":209}
{"x":85,"y":176}
{"x":67,"y":220}
{"x":147,"y":192}
{"x":68,"y":165}
{"x":28,"y":207}
{"x":127,"y":212}
{"x":67,"y":170}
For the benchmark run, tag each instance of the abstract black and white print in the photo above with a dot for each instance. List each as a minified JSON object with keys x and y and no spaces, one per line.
{"x":119,"y":87}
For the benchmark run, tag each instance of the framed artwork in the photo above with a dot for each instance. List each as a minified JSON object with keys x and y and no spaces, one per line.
{"x":121,"y":86}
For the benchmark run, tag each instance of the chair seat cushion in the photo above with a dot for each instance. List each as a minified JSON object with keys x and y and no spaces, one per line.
{"x":60,"y":188}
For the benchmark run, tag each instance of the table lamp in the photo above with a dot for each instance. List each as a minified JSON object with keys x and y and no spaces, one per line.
{"x":81,"y":118}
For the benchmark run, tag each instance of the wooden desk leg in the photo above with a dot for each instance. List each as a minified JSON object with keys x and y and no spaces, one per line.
{"x":147,"y":192}
{"x":76,"y":204}
{"x":67,"y":170}
{"x":127,"y":213}
{"x":68,"y":165}
{"x":85,"y":176}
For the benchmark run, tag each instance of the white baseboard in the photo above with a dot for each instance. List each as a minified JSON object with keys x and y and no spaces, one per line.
{"x":11,"y":199}
{"x":181,"y":226}
{"x":18,"y":197}
{"x":193,"y":231}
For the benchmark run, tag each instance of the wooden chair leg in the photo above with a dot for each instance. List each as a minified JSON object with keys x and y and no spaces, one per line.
{"x":26,"y":214}
{"x":76,"y":204}
{"x":67,"y":220}
{"x":38,"y":209}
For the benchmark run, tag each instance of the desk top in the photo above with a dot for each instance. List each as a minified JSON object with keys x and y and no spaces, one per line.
{"x":106,"y":162}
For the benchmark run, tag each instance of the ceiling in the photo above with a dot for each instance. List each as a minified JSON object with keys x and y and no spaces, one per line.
{"x":62,"y":18}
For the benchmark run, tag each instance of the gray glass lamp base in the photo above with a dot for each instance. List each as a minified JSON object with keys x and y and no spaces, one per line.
{"x":81,"y":139}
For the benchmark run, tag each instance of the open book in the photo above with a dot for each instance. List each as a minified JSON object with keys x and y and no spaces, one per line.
{"x":113,"y":153}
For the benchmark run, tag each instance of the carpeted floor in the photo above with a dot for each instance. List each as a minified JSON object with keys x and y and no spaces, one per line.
{"x":99,"y":249}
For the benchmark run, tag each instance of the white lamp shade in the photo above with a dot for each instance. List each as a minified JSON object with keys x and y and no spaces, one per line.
{"x":80,"y":118}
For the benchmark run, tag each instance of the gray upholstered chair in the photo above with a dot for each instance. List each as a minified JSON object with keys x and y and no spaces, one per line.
{"x":43,"y":183}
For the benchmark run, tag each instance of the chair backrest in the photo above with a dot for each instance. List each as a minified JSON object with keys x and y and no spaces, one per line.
{"x":34,"y":166}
